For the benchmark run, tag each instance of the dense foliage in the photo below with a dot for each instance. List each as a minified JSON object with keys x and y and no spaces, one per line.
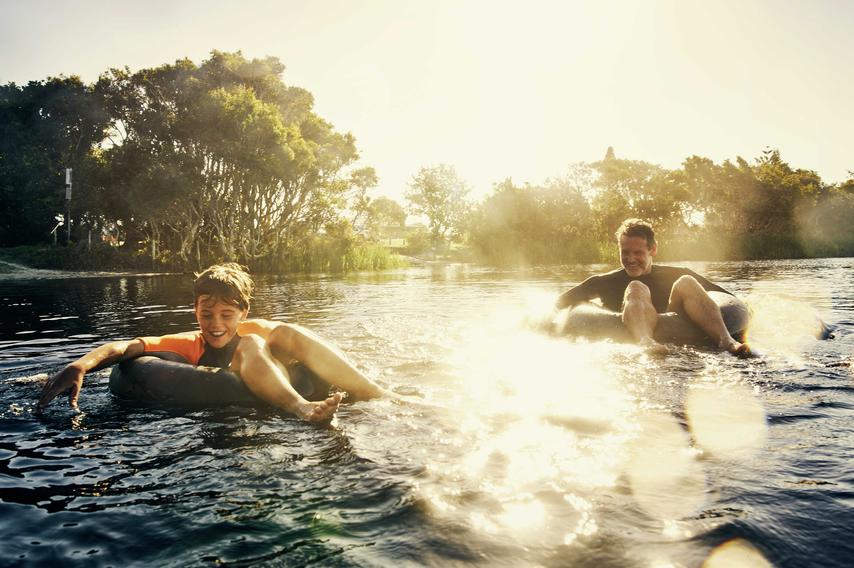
{"x":703,"y":210}
{"x":183,"y":164}
{"x":44,"y":128}
{"x":440,"y":195}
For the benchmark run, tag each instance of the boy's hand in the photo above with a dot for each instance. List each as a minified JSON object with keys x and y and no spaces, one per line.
{"x":71,"y":378}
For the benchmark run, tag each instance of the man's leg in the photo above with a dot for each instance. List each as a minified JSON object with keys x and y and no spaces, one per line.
{"x":640,"y":317}
{"x":689,"y":298}
{"x":269,"y":381}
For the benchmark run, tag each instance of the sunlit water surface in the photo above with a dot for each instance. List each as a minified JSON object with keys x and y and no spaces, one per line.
{"x":510,"y":448}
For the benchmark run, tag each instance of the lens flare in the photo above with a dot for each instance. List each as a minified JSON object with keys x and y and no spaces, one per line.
{"x":736,"y":553}
{"x":726,"y":421}
{"x":663,"y":472}
{"x":782,"y":324}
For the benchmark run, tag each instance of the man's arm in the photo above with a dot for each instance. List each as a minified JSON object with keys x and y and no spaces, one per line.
{"x":707,"y":284}
{"x":323,"y":358}
{"x":71,"y":377}
{"x":577,"y":294}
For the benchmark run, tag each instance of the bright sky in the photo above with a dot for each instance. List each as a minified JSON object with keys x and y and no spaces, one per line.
{"x":500,"y":89}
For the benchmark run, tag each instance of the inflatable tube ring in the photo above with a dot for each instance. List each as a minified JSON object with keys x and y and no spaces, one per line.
{"x":159,"y":381}
{"x":596,"y":323}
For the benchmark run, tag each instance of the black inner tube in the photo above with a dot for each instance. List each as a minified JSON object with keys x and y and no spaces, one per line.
{"x":156,"y":380}
{"x":595,"y":322}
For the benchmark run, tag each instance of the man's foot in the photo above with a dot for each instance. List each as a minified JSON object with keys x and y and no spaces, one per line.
{"x":740,"y":350}
{"x":320,"y":411}
{"x":653,"y":347}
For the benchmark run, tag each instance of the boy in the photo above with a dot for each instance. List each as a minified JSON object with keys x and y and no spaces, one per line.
{"x":226,"y":338}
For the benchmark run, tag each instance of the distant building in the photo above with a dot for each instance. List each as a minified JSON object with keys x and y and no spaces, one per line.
{"x":393,"y":243}
{"x":397,"y":237}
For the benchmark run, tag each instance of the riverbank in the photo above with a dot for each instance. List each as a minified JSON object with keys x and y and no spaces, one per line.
{"x":362,"y":257}
{"x":98,"y":258}
{"x":103,"y":258}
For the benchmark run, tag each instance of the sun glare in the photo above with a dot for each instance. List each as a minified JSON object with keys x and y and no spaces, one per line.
{"x":538,"y":414}
{"x":666,"y":479}
{"x":548,"y":414}
{"x":726,"y":421}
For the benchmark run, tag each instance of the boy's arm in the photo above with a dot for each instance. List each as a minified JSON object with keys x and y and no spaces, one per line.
{"x":324,"y":359}
{"x":71,"y":377}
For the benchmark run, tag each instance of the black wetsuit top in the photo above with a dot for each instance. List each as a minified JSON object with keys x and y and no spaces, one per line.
{"x":610,"y":288}
{"x":219,"y":357}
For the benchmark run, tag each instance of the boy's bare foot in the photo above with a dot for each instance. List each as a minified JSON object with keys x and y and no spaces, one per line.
{"x":320,"y":411}
{"x":653,"y":347}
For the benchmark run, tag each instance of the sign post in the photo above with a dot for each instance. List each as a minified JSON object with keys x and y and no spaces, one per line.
{"x":68,"y":202}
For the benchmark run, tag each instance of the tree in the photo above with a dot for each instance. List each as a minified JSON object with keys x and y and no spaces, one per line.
{"x":535,"y":224}
{"x":440,"y":195}
{"x":628,"y":188}
{"x":385,"y":218}
{"x":224,"y":158}
{"x":609,"y":154}
{"x":362,"y":181}
{"x":759,"y":210}
{"x":388,"y":212}
{"x":45,"y":127}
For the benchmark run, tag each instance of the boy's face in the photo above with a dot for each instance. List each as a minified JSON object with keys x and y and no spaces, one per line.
{"x":218,"y":320}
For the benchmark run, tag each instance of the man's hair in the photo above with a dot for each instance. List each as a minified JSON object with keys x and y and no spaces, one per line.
{"x":228,"y":282}
{"x":637,"y":228}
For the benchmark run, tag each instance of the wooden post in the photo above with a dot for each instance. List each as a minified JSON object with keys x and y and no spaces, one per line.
{"x":68,"y":203}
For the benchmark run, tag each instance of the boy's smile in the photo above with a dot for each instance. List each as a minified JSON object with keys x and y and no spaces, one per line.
{"x":218,"y":320}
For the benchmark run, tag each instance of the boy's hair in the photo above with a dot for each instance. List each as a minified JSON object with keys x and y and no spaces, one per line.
{"x":637,"y":228}
{"x":228,"y":282}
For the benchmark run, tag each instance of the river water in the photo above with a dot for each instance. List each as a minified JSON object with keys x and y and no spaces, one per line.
{"x":509,"y":448}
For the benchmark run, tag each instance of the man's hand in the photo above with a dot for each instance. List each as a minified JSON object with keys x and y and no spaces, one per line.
{"x":70,"y":378}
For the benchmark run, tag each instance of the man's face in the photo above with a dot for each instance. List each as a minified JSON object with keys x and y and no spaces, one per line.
{"x":218,"y":320}
{"x":636,"y":255}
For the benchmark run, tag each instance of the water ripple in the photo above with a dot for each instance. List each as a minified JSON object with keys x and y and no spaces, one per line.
{"x":510,"y":448}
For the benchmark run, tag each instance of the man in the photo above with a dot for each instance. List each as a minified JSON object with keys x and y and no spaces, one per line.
{"x":641,"y":291}
{"x":227,"y":339}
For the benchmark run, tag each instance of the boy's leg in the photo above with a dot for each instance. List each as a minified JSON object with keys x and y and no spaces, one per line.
{"x":269,"y":381}
{"x":293,"y":342}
